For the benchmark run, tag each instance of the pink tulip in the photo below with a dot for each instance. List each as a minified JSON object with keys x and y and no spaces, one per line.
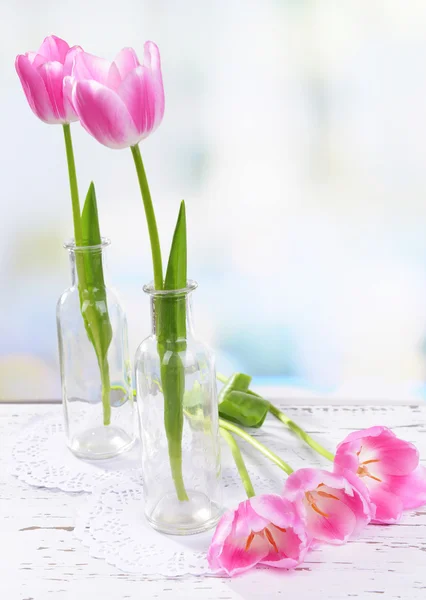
{"x":264,"y":529}
{"x":122,"y":102}
{"x":388,"y":466}
{"x":334,"y":508}
{"x":42,"y":75}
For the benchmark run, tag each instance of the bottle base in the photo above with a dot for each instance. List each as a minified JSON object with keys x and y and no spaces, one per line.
{"x":101,"y":442}
{"x":174,"y":517}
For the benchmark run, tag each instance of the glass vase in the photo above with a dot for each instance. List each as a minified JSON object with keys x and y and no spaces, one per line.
{"x":96,"y":373}
{"x":178,"y":412}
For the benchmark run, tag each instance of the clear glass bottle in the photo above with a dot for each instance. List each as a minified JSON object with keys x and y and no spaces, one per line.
{"x":99,"y":411}
{"x":193,"y":505}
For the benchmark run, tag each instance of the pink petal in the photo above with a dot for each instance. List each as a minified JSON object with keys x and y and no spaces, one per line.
{"x":52,"y":75}
{"x":347,"y":513}
{"x":389,"y":506}
{"x":126,"y":60}
{"x":152,"y":60}
{"x":346,"y":459}
{"x":393,"y":456}
{"x":67,"y":89}
{"x":292,"y":549}
{"x":235,"y":559}
{"x":248,"y":519}
{"x":70,"y":58}
{"x":356,"y":436}
{"x":151,"y":56}
{"x":396,"y":457}
{"x":54,"y":48}
{"x":276,"y":509}
{"x":304,"y":480}
{"x":104,"y":115}
{"x":114,"y":78}
{"x":360,"y":503}
{"x":243,"y":537}
{"x":228,"y":553}
{"x":32,"y":56}
{"x":279,"y":513}
{"x":35,"y":90}
{"x":223,"y":530}
{"x":411,"y":489}
{"x":89,"y":66}
{"x":339,"y":524}
{"x":139,"y":95}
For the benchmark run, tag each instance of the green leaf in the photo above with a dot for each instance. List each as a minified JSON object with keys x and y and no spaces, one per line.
{"x":91,"y":236}
{"x":171,"y":327}
{"x":172,"y":309}
{"x":90,"y":230}
{"x":238,"y":381}
{"x":176,"y":273}
{"x":239,"y":404}
{"x":93,"y":300}
{"x":244,"y":408}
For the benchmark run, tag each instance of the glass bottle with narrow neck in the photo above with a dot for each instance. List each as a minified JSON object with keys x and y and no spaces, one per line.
{"x":95,"y":366}
{"x":192,"y":504}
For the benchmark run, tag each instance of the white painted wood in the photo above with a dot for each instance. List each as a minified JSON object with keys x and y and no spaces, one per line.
{"x":41,"y":560}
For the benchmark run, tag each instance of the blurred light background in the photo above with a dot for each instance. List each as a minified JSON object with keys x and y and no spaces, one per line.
{"x":296,"y":132}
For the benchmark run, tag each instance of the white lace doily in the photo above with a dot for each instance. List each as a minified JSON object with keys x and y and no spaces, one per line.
{"x":111,"y":524}
{"x":41,"y":458}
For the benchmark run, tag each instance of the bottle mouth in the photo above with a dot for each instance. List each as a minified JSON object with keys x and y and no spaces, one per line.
{"x":71,"y":247}
{"x":190,"y":287}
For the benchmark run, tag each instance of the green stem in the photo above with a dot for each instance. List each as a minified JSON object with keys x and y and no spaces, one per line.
{"x":76,"y":213}
{"x":291,"y":425}
{"x":172,"y":372}
{"x":239,"y":461}
{"x":173,"y":381}
{"x":106,"y":387}
{"x":222,"y":378}
{"x":300,"y":432}
{"x":150,"y":218}
{"x":256,"y":444}
{"x":80,"y":266}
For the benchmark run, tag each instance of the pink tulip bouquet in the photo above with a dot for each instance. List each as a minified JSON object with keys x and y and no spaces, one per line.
{"x":375,"y":476}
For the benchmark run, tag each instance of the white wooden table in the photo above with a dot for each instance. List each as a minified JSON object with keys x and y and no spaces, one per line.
{"x":41,"y":560}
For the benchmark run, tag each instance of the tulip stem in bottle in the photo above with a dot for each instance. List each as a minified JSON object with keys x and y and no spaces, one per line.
{"x":150,"y":218}
{"x":88,"y":311}
{"x":106,"y":389}
{"x":169,"y":317}
{"x":256,"y":444}
{"x":239,"y":462}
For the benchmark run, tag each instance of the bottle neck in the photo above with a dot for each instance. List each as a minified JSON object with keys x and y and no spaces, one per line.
{"x":88,"y":266}
{"x":171,"y":316}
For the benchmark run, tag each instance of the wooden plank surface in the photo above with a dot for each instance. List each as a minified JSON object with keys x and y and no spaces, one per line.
{"x":40,"y":558}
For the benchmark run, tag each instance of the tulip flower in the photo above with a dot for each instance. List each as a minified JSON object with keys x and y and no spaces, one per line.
{"x":334,"y":508}
{"x":46,"y":80}
{"x":389,"y":468}
{"x":44,"y":77}
{"x":261,"y":530}
{"x":122,"y":102}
